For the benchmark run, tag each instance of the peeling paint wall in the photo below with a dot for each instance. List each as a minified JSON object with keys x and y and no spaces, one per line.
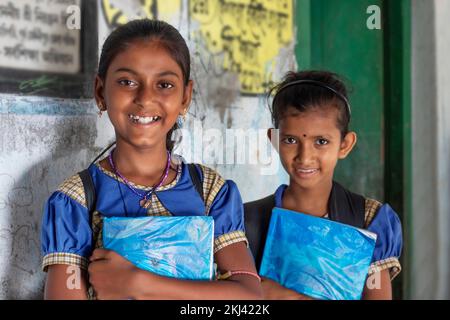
{"x":37,"y":152}
{"x":45,"y":140}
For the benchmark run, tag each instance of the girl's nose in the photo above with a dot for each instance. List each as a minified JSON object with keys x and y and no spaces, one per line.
{"x":146,"y":97}
{"x":305,"y":153}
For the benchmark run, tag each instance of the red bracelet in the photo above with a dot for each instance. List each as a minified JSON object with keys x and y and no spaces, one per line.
{"x":228,"y":274}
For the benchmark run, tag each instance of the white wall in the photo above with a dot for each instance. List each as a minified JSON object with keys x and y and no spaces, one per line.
{"x":443,"y":134}
{"x":429,"y":245}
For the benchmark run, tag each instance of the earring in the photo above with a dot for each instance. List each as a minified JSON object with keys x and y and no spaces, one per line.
{"x":181,"y":119}
{"x":101,"y":109}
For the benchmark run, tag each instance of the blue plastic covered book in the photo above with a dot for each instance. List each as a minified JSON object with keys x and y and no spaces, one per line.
{"x":178,"y":247}
{"x":317,"y":257}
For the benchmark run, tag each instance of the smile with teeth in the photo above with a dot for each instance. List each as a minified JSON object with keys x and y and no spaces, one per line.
{"x":306,"y":170}
{"x":143,"y":120}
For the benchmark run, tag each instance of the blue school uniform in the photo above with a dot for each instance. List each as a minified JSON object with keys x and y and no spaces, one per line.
{"x":69,"y":234}
{"x":382,"y":220}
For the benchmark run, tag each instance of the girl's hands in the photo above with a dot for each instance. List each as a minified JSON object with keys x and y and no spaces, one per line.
{"x":274,"y":291}
{"x":111,"y":275}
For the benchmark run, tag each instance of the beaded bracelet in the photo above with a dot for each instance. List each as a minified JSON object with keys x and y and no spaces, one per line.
{"x":228,"y":274}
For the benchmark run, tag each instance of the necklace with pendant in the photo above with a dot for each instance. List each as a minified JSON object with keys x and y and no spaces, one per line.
{"x":145,"y":198}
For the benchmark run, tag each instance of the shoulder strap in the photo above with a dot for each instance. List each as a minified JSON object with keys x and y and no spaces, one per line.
{"x":257,"y":216}
{"x":346,"y":207}
{"x":195,"y":177}
{"x":89,"y":190}
{"x":103,"y":152}
{"x":88,"y":184}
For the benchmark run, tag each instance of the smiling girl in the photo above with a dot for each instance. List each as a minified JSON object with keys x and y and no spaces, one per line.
{"x":144,"y":85}
{"x":312,"y":112}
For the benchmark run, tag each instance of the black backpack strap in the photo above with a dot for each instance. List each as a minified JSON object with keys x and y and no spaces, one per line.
{"x":346,"y":207}
{"x":89,"y":191}
{"x":88,"y":184}
{"x":257,"y":216}
{"x":195,"y":177}
{"x":103,"y":152}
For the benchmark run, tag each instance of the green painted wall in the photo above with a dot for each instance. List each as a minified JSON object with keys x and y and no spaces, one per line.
{"x":333,"y":35}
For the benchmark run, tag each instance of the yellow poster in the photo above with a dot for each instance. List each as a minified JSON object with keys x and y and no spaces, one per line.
{"x":247,"y":33}
{"x":116,"y":15}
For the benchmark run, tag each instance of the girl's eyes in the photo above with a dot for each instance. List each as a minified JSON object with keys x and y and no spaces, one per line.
{"x":290,"y":140}
{"x":165,"y":85}
{"x":130,"y":83}
{"x":127,"y":83}
{"x":319,"y":142}
{"x":322,"y":141}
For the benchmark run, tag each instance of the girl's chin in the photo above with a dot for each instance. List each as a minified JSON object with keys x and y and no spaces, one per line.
{"x":144,"y":143}
{"x":305,"y":184}
{"x":318,"y":183}
{"x":305,"y":180}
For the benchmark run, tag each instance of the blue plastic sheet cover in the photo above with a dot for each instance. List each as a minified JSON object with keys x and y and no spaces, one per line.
{"x":178,"y":247}
{"x":317,"y":257}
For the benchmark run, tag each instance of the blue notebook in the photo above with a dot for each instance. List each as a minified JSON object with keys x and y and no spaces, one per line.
{"x":178,"y":247}
{"x":317,"y":257}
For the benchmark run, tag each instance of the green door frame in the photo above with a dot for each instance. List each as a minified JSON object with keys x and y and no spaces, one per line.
{"x":390,"y":130}
{"x":398,"y":131}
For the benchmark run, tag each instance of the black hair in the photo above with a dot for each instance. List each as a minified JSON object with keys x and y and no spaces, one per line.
{"x":148,"y":30}
{"x":308,"y":90}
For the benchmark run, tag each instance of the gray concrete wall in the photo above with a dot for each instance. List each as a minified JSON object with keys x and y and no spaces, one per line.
{"x":443,"y":144}
{"x":428,"y":246}
{"x":37,"y":152}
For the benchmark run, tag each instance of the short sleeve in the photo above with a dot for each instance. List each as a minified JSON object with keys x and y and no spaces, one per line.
{"x":228,"y":212}
{"x":66,"y":235}
{"x":387,"y":226}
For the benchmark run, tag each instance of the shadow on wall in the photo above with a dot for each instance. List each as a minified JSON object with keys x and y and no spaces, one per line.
{"x":69,"y":143}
